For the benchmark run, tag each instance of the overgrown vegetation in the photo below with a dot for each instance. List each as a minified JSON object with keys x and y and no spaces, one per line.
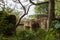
{"x":31,"y":35}
{"x":21,"y":34}
{"x":6,"y":28}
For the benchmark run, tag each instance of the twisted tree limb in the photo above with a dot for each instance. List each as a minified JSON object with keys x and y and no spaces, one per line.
{"x":25,"y":12}
{"x":38,"y":3}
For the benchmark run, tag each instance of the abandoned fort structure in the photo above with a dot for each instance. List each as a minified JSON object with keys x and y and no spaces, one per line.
{"x":34,"y":24}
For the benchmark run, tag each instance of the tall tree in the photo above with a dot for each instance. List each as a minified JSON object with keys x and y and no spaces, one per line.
{"x":51,"y":14}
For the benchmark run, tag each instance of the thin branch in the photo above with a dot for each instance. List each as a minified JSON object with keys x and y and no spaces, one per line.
{"x":23,"y":14}
{"x":22,"y":6}
{"x":20,"y":20}
{"x":28,"y":8}
{"x":38,"y":3}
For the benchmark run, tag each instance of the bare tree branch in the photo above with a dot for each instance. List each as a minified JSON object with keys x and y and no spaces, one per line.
{"x":29,"y":8}
{"x":20,"y":20}
{"x":38,"y":3}
{"x":25,"y":12}
{"x":22,"y":6}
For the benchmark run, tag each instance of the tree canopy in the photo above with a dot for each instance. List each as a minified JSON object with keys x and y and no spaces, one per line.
{"x":43,"y":8}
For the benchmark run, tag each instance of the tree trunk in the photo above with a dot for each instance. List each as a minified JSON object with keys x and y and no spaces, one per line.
{"x":51,"y":13}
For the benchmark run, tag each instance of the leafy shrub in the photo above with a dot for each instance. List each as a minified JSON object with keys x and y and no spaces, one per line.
{"x":26,"y":35}
{"x":5,"y":27}
{"x":50,"y":34}
{"x":7,"y":38}
{"x":54,"y":23}
{"x":41,"y":34}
